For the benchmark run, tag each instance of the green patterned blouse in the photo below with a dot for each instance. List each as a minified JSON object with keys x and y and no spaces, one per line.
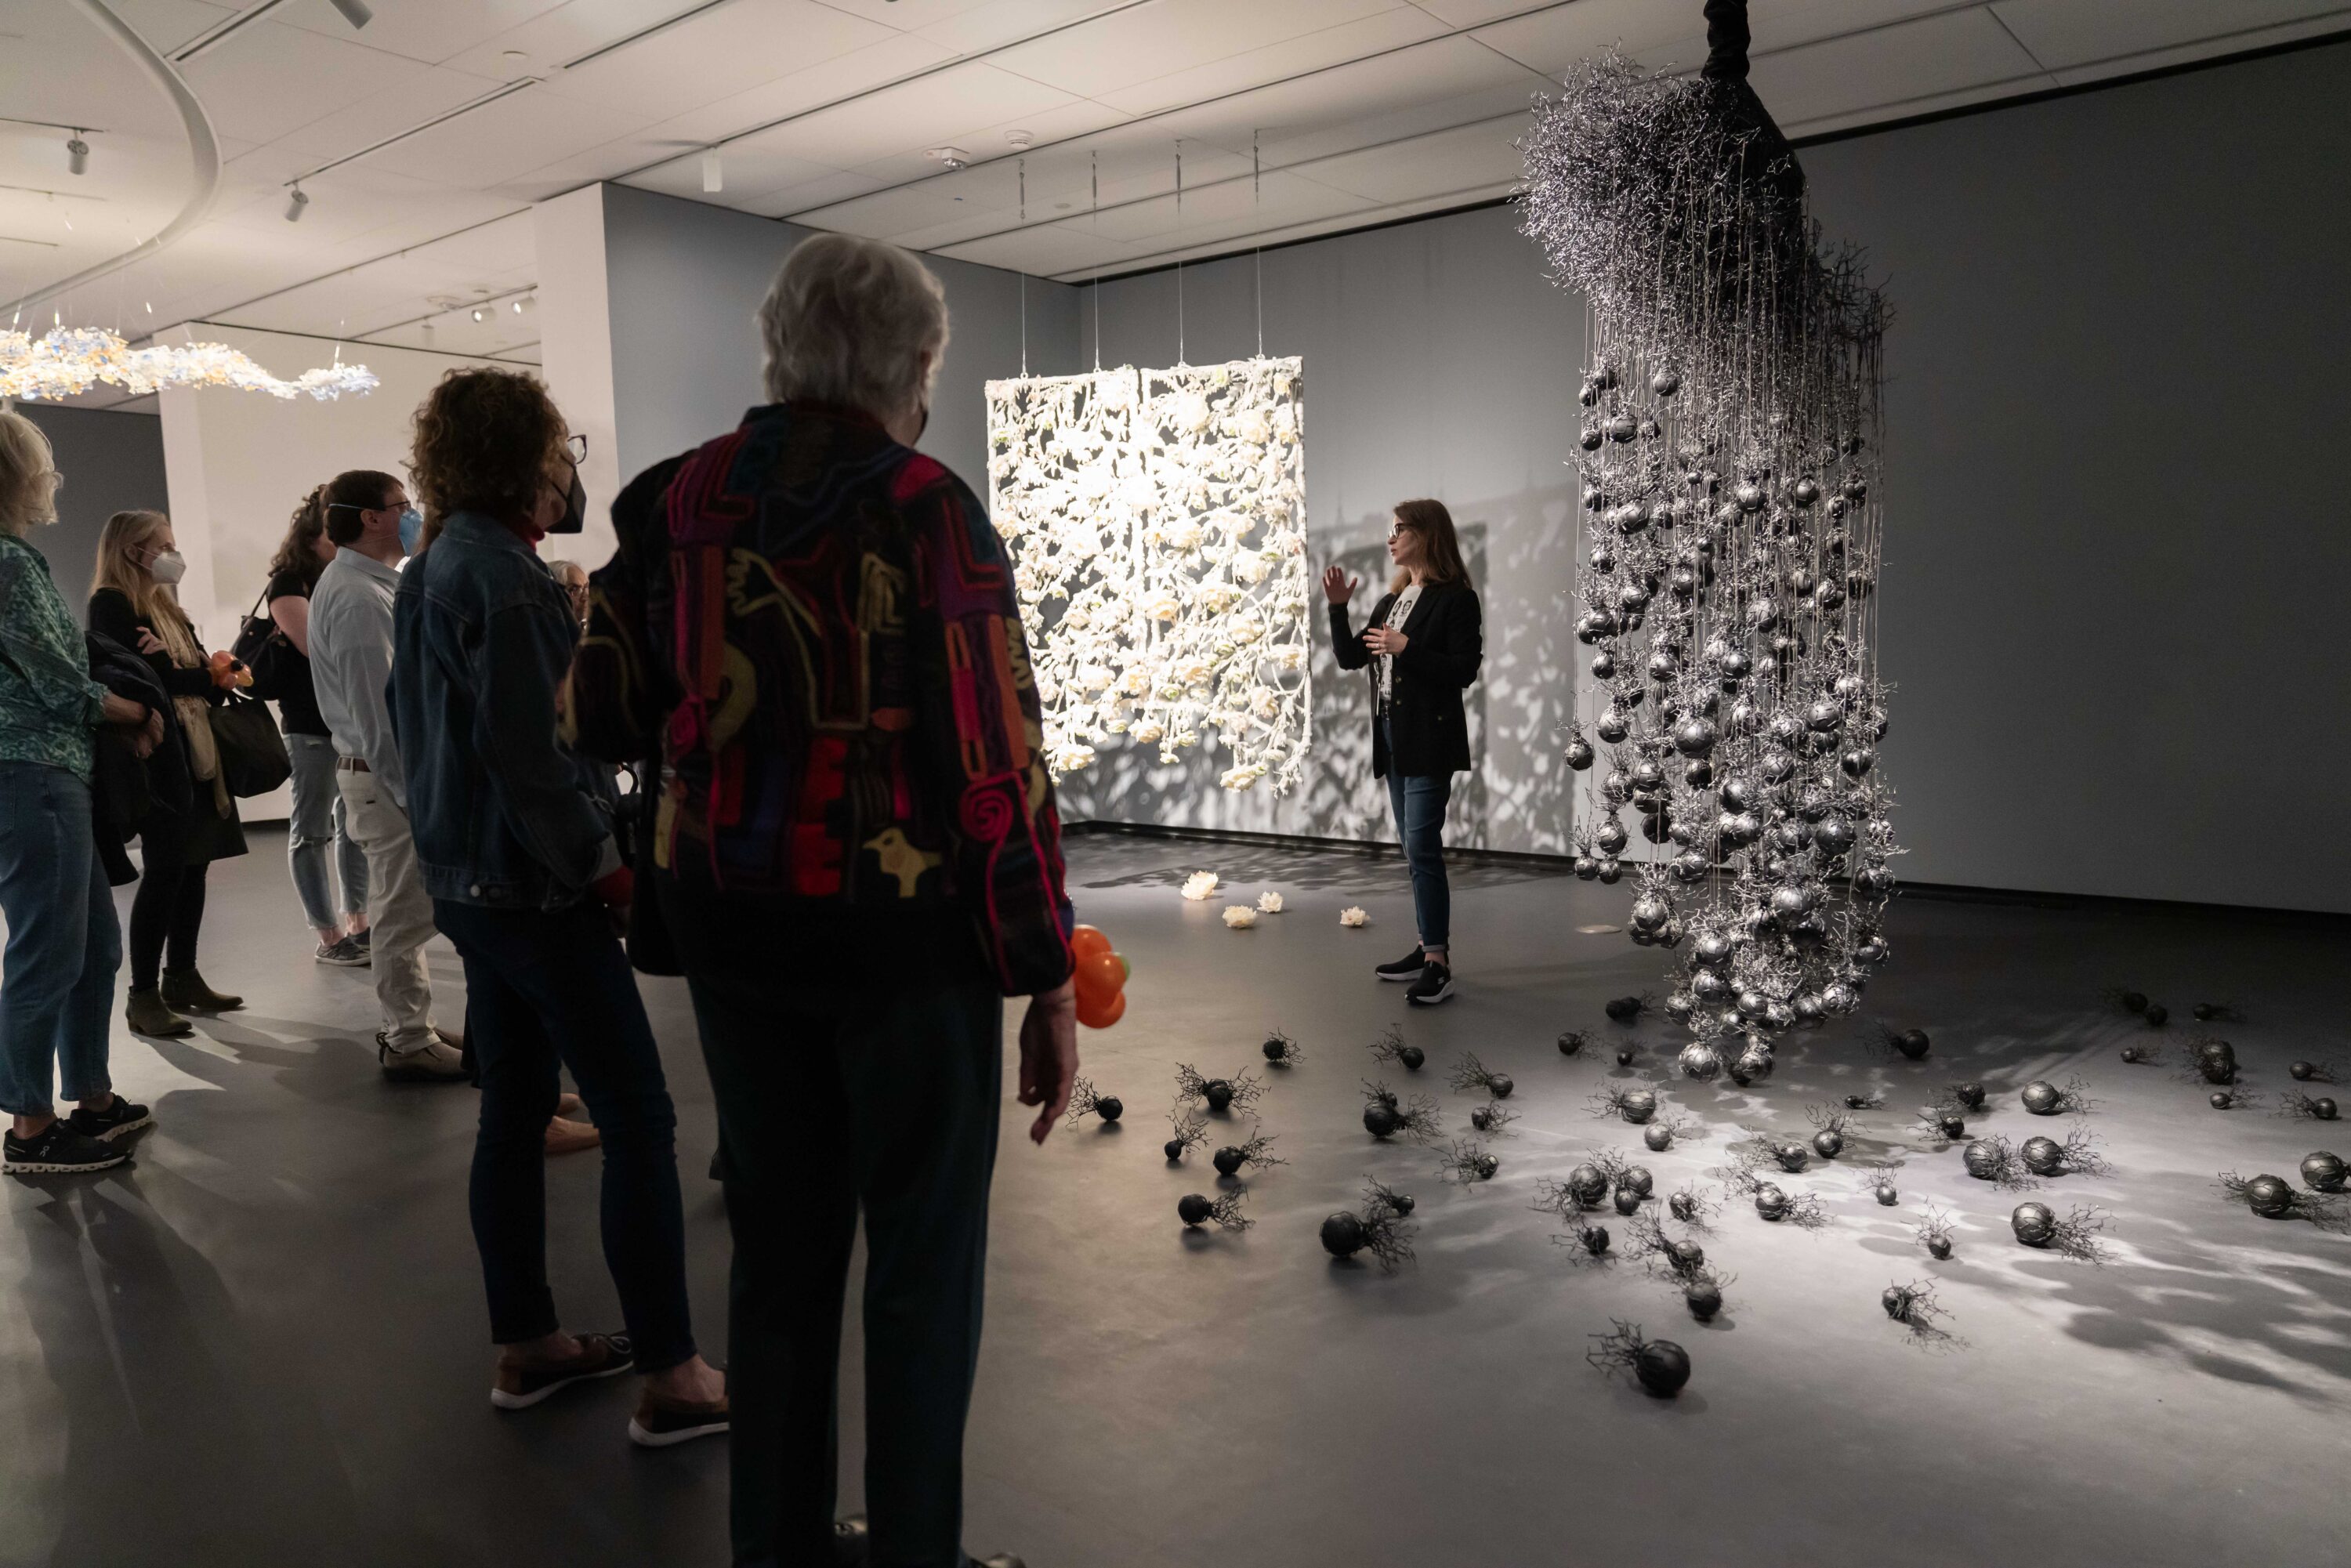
{"x":49,"y":707}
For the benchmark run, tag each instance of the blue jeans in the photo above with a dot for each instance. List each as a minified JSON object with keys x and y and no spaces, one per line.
{"x":319,"y":823}
{"x":1419,"y":804}
{"x":65,"y":945}
{"x":544,"y":991}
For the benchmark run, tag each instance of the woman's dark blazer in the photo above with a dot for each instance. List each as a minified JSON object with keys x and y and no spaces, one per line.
{"x":1444,"y":642}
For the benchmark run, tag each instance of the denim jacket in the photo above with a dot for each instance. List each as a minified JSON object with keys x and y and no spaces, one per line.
{"x":504,"y":815}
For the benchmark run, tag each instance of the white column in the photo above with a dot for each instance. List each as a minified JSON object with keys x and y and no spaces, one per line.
{"x":575,"y":323}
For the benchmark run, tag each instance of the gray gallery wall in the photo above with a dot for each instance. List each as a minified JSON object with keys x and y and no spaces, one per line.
{"x":2117,"y":523}
{"x":113,"y":462}
{"x":1438,"y":362}
{"x":684,"y":280}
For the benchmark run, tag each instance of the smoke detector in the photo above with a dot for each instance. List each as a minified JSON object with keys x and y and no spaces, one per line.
{"x":952,"y":157}
{"x":1019,"y":141}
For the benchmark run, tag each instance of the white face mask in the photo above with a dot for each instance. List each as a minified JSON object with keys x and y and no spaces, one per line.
{"x":168,"y":567}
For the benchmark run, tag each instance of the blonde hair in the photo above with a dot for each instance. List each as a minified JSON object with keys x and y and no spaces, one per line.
{"x":125,"y":532}
{"x":846,"y":321}
{"x":27,"y":496}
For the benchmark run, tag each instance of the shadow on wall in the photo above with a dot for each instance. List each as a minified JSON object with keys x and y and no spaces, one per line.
{"x":1523,"y":694}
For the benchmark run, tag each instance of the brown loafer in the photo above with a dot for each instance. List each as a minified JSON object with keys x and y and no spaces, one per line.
{"x":518,"y":1387}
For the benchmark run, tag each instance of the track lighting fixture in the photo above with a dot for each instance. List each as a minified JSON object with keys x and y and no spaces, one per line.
{"x":295,"y":205}
{"x":353,"y":11}
{"x":714,"y":173}
{"x":77,"y":155}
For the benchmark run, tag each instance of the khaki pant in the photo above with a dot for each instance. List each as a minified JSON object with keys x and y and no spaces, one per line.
{"x":399,"y":915}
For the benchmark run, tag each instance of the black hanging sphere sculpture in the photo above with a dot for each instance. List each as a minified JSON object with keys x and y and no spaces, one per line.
{"x":1193,"y":1209}
{"x":2034,"y":1223}
{"x":2322,"y":1171}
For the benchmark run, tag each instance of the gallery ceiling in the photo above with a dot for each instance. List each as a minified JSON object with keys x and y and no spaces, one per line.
{"x":444,"y":119}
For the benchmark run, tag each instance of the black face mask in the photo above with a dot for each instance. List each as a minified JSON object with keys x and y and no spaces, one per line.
{"x":924,"y":423}
{"x":575,"y":508}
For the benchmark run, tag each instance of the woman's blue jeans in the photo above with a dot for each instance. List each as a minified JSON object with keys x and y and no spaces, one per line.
{"x":317,"y":826}
{"x":1419,"y":802}
{"x":65,"y":946}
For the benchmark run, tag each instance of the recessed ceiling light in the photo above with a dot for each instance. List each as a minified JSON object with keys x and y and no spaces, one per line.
{"x":479,"y":313}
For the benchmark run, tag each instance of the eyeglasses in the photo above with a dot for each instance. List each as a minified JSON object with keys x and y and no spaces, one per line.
{"x":576,"y":450}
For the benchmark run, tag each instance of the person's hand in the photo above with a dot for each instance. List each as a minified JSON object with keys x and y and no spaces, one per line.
{"x":152,"y":732}
{"x":1337,"y":586}
{"x":1381,"y":640}
{"x":1048,"y":1055}
{"x":150,"y":644}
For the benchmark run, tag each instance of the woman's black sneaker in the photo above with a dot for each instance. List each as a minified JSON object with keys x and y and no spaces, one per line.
{"x":1405,"y":969}
{"x":1435,"y":984}
{"x":59,"y":1150}
{"x":117,"y":1120}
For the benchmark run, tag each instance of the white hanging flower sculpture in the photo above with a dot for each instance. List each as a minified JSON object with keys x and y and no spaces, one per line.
{"x":1156,"y":521}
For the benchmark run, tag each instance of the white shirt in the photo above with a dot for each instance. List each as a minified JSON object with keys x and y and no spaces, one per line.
{"x":351,"y":661}
{"x":1398,"y":613}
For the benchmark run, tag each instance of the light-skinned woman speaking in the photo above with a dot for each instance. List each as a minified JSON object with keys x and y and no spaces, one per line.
{"x":1422,"y":644}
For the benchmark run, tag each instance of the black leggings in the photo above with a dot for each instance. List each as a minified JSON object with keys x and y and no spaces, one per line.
{"x":167,"y":910}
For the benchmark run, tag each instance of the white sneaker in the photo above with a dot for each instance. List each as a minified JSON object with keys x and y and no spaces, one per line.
{"x":430,"y":1062}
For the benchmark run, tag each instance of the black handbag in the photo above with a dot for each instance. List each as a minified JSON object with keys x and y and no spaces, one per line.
{"x":260,"y":645}
{"x":253,"y":759}
{"x":653,"y":950}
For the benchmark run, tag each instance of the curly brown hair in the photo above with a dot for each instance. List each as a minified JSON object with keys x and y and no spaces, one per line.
{"x":483,"y":439}
{"x":298,"y":552}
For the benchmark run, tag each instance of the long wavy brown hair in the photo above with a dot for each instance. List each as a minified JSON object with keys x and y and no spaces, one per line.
{"x":298,"y":552}
{"x":483,"y":439}
{"x":1440,"y":549}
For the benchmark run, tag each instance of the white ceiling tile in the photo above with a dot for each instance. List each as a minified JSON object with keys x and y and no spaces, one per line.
{"x":997,"y":23}
{"x":367,"y":121}
{"x":1429,"y":165}
{"x":913,"y":115}
{"x":270,"y":79}
{"x":1892,"y":67}
{"x":2062,"y":33}
{"x":1369,"y":100}
{"x":805,"y":91}
{"x":427,"y":30}
{"x":520,"y":133}
{"x":1134,"y":45}
{"x":716,"y":55}
{"x":1329,"y":47}
{"x":1473,"y":13}
{"x":913,"y":16}
{"x":168,"y":24}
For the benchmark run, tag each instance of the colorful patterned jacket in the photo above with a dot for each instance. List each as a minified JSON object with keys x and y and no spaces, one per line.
{"x":819,"y":626}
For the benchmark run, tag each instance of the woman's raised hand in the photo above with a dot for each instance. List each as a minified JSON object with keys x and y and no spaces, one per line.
{"x":1337,"y":586}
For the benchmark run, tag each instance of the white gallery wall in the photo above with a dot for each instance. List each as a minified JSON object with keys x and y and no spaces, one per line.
{"x":237,"y":464}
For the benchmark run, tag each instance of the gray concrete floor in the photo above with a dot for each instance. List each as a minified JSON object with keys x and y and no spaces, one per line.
{"x":262,"y":1342}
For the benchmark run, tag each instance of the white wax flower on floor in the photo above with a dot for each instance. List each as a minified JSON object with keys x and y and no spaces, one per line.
{"x":1268,"y":901}
{"x":1354,"y":915}
{"x":1240,"y":916}
{"x":1199,"y":885}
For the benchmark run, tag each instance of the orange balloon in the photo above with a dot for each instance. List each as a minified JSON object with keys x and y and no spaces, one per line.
{"x":1087,"y":940}
{"x":1104,"y":1015}
{"x":1100,"y":976}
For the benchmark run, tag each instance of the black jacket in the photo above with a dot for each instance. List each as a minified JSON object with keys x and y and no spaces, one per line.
{"x":1444,"y":642}
{"x":126,"y":788}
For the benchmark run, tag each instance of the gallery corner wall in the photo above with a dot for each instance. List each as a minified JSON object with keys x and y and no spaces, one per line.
{"x":648,"y":325}
{"x":113,"y":462}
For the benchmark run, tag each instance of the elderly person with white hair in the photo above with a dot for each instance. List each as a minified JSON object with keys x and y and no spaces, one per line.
{"x":65,"y":946}
{"x":856,"y":854}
